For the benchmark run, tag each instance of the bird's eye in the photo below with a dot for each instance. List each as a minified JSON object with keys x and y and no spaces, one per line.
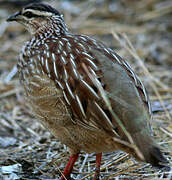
{"x":28,"y":14}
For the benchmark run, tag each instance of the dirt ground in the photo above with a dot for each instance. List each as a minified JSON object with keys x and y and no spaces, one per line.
{"x":139,"y":31}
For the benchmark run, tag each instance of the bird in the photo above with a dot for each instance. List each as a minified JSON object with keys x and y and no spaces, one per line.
{"x":82,"y":91}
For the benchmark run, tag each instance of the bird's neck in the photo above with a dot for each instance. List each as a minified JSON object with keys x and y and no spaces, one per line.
{"x":49,"y":31}
{"x":55,"y":27}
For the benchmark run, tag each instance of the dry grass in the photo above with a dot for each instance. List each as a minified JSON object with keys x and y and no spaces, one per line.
{"x":139,"y":31}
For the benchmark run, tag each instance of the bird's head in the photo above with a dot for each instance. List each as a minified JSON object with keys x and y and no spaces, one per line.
{"x":39,"y":17}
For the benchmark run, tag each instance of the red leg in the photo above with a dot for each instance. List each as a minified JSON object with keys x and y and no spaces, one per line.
{"x":98,"y":164}
{"x":69,"y":167}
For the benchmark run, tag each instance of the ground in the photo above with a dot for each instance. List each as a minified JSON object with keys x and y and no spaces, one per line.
{"x":141,"y":32}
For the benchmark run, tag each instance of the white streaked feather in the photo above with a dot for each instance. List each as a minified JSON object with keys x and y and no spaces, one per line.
{"x":46,"y":65}
{"x":70,"y":36}
{"x":65,"y":53}
{"x":77,"y":50}
{"x":107,"y":50}
{"x":116,"y":58}
{"x":72,"y":62}
{"x":38,"y":43}
{"x":44,"y":52}
{"x":83,"y":38}
{"x":32,"y":67}
{"x":65,"y":39}
{"x":36,"y":85}
{"x":53,"y":57}
{"x":69,"y":90}
{"x":81,"y":46}
{"x":68,"y":46}
{"x":80,"y":105}
{"x":48,"y":54}
{"x":61,"y":43}
{"x":39,"y":57}
{"x":93,"y":72}
{"x":59,"y":83}
{"x":31,"y":60}
{"x":128,"y":64}
{"x":75,"y":73}
{"x":46,"y":45}
{"x":42,"y":60}
{"x":143,"y":88}
{"x":92,"y":63}
{"x":63,"y":60}
{"x":60,"y":47}
{"x":90,"y":88}
{"x":65,"y":74}
{"x":55,"y":69}
{"x":71,"y":56}
{"x":88,"y":55}
{"x":28,"y":52}
{"x":134,"y":76}
{"x":106,"y":117}
{"x":36,"y":76}
{"x":58,"y":51}
{"x":64,"y":94}
{"x":131,"y":71}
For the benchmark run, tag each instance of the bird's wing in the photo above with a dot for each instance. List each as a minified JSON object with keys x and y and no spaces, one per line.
{"x":87,"y":71}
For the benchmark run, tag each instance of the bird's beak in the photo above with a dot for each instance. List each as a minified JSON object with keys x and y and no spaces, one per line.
{"x":14,"y":17}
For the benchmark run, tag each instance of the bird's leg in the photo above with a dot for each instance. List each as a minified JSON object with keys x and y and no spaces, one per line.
{"x":98,"y":163}
{"x":69,"y":167}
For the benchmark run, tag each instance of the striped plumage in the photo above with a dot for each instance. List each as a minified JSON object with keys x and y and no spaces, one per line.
{"x":64,"y":75}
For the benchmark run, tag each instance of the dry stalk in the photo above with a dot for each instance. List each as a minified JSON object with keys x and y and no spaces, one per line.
{"x":156,"y":13}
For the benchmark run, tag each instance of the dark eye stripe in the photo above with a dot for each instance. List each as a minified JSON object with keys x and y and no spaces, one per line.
{"x":30,"y":15}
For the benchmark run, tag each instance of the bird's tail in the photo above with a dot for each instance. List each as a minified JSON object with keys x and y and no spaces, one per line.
{"x":150,"y":150}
